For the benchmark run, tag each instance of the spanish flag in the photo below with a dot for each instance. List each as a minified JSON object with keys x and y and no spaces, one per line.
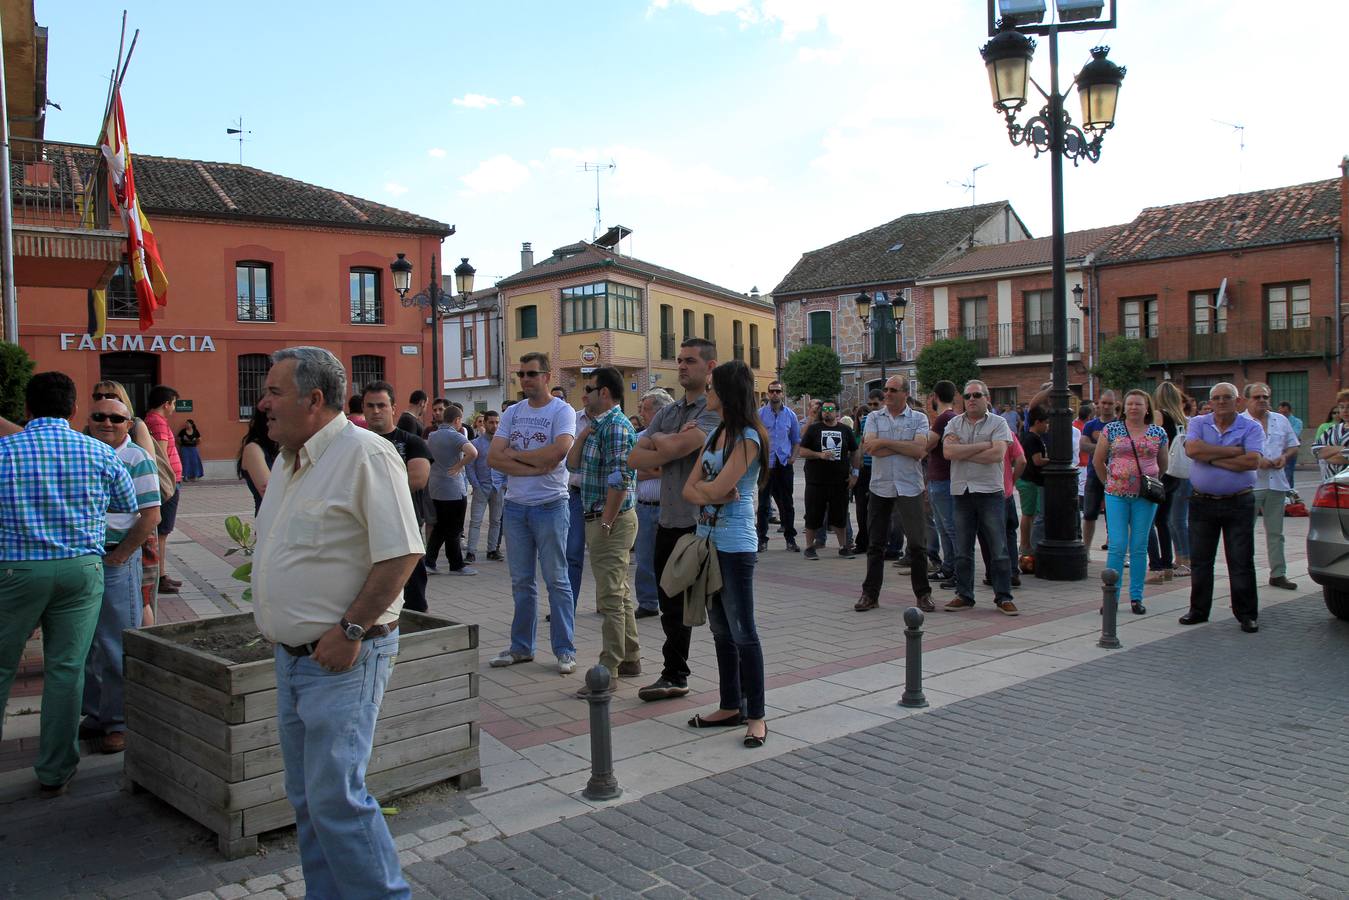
{"x":147,"y":268}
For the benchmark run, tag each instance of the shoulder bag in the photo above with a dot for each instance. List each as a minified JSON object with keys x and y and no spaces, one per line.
{"x":1149,"y":488}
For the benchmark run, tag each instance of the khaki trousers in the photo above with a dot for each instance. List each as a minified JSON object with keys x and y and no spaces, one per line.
{"x":609,"y":553}
{"x":1269,"y":506}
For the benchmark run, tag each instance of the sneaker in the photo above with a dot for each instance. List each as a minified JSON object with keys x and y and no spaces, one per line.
{"x":958,"y":604}
{"x":847,"y":553}
{"x":644,"y":613}
{"x":811,"y":553}
{"x":763,"y":545}
{"x":566,"y":664}
{"x":466,"y":570}
{"x":509,"y":658}
{"x":663,"y":690}
{"x":791,"y":545}
{"x":431,"y":569}
{"x":495,"y":555}
{"x":925,"y":603}
{"x":630,"y":669}
{"x":470,"y":557}
{"x":1009,"y":608}
{"x":1181,"y":572}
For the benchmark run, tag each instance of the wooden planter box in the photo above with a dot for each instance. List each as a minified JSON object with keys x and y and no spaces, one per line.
{"x":202,"y":731}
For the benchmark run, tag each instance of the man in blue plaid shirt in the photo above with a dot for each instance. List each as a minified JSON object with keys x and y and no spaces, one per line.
{"x":56,"y":489}
{"x":608,"y":498}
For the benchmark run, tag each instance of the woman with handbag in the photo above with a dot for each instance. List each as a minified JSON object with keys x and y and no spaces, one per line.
{"x":1130,"y":458}
{"x":732,"y":470}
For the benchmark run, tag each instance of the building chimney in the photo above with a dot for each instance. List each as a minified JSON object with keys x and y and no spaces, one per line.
{"x":526,"y":255}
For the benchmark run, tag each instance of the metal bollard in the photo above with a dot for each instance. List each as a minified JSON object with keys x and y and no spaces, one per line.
{"x":1109,"y":610}
{"x":602,"y":784}
{"x":913,"y":659}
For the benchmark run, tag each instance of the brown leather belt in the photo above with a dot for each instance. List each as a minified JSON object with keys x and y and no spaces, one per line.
{"x":377,"y":631}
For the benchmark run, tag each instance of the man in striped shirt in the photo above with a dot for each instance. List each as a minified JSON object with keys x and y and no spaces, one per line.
{"x":56,"y":489}
{"x":104,"y":716}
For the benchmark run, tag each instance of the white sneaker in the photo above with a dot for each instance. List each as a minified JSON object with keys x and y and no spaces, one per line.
{"x":466,"y":570}
{"x":509,"y":658}
{"x":431,"y":569}
{"x":566,"y":664}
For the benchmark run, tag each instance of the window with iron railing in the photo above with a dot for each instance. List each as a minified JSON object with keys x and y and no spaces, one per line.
{"x":667,"y":338}
{"x":738,"y":339}
{"x":753,"y":346}
{"x":253,"y":288}
{"x":365,"y":369}
{"x":122,"y":302}
{"x":366,"y":306}
{"x":1288,"y":320}
{"x":253,"y":368}
{"x":688,"y":325}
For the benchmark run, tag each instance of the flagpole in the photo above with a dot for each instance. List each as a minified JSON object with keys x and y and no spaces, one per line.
{"x":7,"y":291}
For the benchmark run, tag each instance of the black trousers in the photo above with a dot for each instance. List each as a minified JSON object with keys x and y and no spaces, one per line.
{"x":678,"y":636}
{"x":1232,"y":518}
{"x":914,"y":524}
{"x":414,"y":592}
{"x":449,"y":525}
{"x":779,"y":489}
{"x":861,"y":495}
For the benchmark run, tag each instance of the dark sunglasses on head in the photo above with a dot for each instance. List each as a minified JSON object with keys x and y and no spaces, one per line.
{"x":976,"y":395}
{"x":98,"y":396}
{"x":114,"y":418}
{"x":528,"y":373}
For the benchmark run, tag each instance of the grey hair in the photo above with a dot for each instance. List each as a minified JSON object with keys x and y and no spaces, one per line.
{"x":317,"y":370}
{"x":978,"y":382}
{"x":1251,"y":386}
{"x":660,"y":396}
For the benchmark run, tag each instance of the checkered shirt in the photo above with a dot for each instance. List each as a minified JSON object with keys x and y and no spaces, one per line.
{"x":604,"y":461}
{"x":56,"y":488}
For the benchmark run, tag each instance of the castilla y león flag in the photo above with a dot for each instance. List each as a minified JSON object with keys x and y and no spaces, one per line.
{"x":147,"y":268}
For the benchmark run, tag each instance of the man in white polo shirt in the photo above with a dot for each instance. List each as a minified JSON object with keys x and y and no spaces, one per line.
{"x":337,"y":540}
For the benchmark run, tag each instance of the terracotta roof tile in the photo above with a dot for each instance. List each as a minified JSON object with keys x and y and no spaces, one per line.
{"x":1026,"y":254}
{"x":1302,"y":212}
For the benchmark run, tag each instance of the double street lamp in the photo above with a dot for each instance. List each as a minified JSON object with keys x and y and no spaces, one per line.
{"x":436,"y":299}
{"x":1060,"y":556}
{"x":884,"y":320}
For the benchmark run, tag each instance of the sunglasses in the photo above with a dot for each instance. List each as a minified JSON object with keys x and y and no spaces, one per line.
{"x":114,"y":418}
{"x":893,"y":391}
{"x":590,"y":389}
{"x":827,"y":409}
{"x":976,"y":395}
{"x":98,"y":396}
{"x":775,"y":390}
{"x":529,"y":373}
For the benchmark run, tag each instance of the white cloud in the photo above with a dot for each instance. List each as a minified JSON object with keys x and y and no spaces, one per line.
{"x":436,"y":153}
{"x":476,"y":101}
{"x":498,"y":175}
{"x":395,"y":188}
{"x":517,"y":100}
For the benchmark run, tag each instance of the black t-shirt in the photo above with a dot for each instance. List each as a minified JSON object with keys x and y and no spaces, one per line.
{"x":410,"y":446}
{"x":839,"y":437}
{"x":1033,"y":444}
{"x":409,"y":424}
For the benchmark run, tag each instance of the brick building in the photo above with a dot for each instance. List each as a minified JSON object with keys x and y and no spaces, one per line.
{"x":816,"y":300}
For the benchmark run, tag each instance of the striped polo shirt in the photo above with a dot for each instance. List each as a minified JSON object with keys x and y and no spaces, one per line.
{"x":145,"y":477}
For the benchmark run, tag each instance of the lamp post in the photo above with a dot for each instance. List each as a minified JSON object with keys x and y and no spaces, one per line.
{"x":1007,"y":56}
{"x":884,"y":320}
{"x":1088,"y":332}
{"x":436,"y":299}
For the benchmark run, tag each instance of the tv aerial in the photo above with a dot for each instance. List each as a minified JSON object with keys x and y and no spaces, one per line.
{"x":971,"y":184}
{"x":599,"y":169}
{"x":238,"y":129}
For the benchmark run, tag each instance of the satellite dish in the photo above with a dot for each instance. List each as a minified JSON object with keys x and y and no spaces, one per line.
{"x":1222,"y":295}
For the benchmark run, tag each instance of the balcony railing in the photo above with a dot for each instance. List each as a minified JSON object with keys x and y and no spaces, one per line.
{"x":1004,"y":340}
{"x":754,"y":357}
{"x":1300,"y":336}
{"x":58,"y":185}
{"x":739,"y":351}
{"x":667,"y":345}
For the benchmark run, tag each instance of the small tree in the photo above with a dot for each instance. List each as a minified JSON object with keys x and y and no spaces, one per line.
{"x":950,"y":359}
{"x":15,"y":370}
{"x":1122,"y":363}
{"x":814,"y":369}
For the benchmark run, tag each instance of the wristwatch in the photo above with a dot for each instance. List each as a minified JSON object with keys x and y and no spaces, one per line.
{"x":607,"y":526}
{"x":353,"y":631}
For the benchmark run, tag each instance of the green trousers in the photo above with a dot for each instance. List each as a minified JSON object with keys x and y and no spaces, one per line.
{"x":63,"y":596}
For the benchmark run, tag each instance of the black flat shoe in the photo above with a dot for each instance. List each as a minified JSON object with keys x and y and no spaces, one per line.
{"x":1249,"y":626}
{"x":755,"y":743}
{"x":1138,"y":608}
{"x":1192,"y":618}
{"x":728,"y":722}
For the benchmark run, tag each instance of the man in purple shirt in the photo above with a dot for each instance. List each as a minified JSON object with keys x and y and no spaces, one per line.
{"x":784,"y":435}
{"x":1224,"y":450}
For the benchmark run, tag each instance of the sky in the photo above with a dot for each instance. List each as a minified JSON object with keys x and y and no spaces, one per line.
{"x":742,"y":133}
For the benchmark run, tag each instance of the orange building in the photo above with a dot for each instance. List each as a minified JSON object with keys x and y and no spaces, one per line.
{"x":256,"y":262}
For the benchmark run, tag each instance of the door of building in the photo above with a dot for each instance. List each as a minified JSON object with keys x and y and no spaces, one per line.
{"x":1291,"y":387}
{"x":137,"y":372}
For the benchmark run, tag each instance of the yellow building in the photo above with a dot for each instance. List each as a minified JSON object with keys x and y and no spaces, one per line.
{"x":587,"y":306}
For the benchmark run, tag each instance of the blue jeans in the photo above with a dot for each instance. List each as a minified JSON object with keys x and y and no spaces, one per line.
{"x":103,"y":679}
{"x":730,"y":617}
{"x":1180,"y":518}
{"x":648,"y":519}
{"x":1290,"y":469}
{"x":1129,"y":520}
{"x":540,"y":533}
{"x":985,"y":514}
{"x":944,"y":512}
{"x":576,"y":544}
{"x":327,"y":725}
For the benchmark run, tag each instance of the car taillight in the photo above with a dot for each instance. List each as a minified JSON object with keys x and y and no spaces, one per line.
{"x":1332,"y":496}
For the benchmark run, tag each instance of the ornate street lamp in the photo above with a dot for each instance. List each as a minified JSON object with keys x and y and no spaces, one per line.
{"x":882,"y":319}
{"x":436,"y":299}
{"x":1007,"y":56}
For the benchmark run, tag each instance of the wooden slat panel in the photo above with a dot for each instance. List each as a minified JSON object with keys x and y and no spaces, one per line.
{"x":141,"y":725}
{"x":230,"y":738}
{"x":171,"y":792}
{"x":213,"y":702}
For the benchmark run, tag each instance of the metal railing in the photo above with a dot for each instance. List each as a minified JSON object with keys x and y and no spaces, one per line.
{"x":667,"y":345}
{"x":1005,"y":339}
{"x":1298,"y":336}
{"x":754,"y":357}
{"x":739,"y":351}
{"x":58,"y":185}
{"x":1037,"y":336}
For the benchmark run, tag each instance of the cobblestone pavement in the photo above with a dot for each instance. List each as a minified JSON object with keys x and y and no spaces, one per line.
{"x":1209,"y":764}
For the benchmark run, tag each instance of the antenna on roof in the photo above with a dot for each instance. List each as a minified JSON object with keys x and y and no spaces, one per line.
{"x":238,"y":128}
{"x":1241,"y":148}
{"x":970,"y":185}
{"x":598,"y":169}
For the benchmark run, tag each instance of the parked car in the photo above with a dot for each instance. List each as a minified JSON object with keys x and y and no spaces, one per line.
{"x":1328,"y":543}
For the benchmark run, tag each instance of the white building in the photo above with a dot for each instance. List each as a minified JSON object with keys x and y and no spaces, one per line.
{"x":472,"y":353}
